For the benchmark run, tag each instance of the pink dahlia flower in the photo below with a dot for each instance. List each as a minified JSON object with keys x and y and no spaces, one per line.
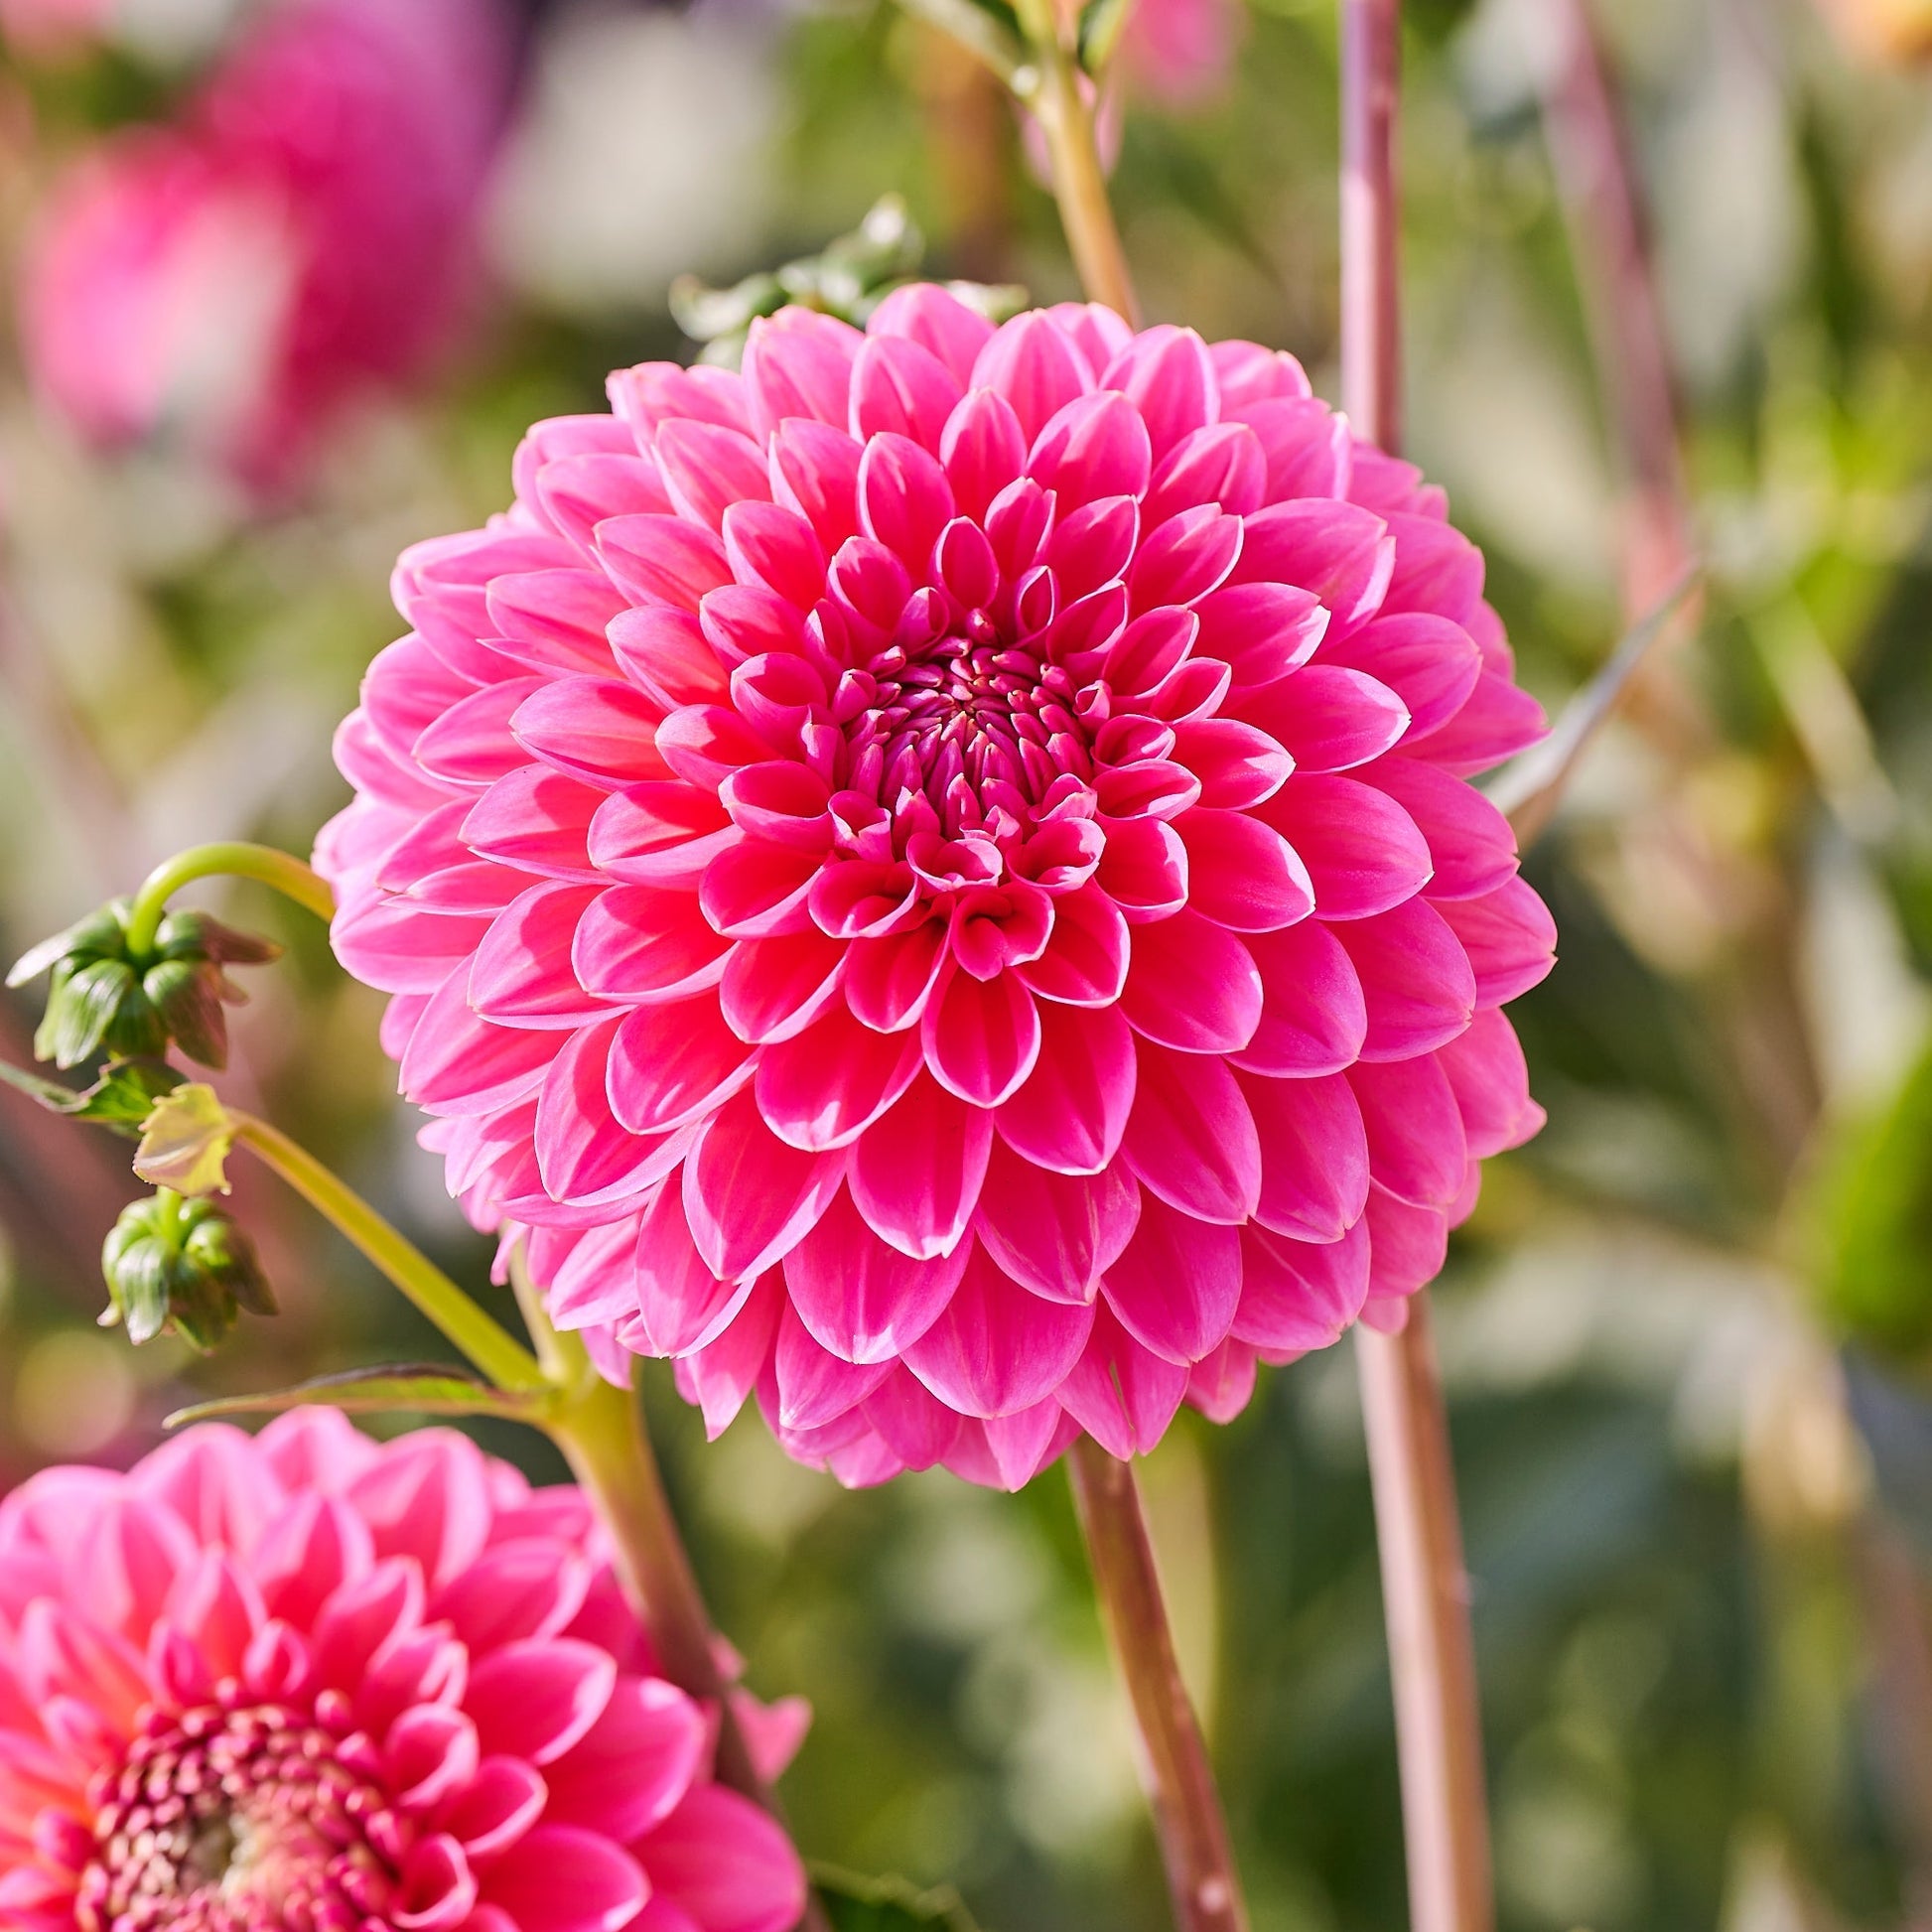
{"x":307,"y":236}
{"x":934,"y":878}
{"x":306,"y":1682}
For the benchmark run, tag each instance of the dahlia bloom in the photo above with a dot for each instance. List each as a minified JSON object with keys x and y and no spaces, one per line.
{"x":933,"y":878}
{"x":306,"y":1680}
{"x":1179,"y":51}
{"x":308,"y":234}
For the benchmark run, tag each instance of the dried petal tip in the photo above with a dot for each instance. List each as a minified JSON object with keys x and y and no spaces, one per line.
{"x":184,"y":1267}
{"x":102,"y":997}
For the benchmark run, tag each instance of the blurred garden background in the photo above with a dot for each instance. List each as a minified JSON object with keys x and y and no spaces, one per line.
{"x":286,"y":279}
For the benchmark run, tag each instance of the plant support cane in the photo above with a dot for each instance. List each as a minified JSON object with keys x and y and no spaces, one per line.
{"x":1425,"y":1587}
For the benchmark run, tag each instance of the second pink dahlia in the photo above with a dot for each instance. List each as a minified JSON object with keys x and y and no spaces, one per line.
{"x":307,"y":1683}
{"x":935,"y":877}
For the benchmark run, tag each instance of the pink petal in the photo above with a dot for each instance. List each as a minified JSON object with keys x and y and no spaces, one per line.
{"x":719,"y":1376}
{"x":1070,"y":1113}
{"x":1491,"y":1085}
{"x":1086,"y":956}
{"x":601,"y":730}
{"x":1509,"y":938}
{"x":755,"y":888}
{"x":1123,"y":1395}
{"x":1094,"y":447}
{"x":748,"y":1197}
{"x":521,"y":1589}
{"x":916,"y":1174}
{"x":1361,"y":850}
{"x":708,"y":467}
{"x":535,"y":1699}
{"x":1329,"y":719}
{"x":1191,"y":1138}
{"x":997,"y":1349}
{"x":824,"y":1087}
{"x":646,"y":943}
{"x":728,"y":1864}
{"x":1243,"y":874}
{"x":925,"y":314}
{"x":1315,"y":1157}
{"x":981,"y":1038}
{"x":887,"y":980}
{"x":1429,"y":663}
{"x":560,"y":1878}
{"x":815,"y":1388}
{"x":1407,"y":1246}
{"x":1031,"y":362}
{"x":1341,"y":553}
{"x":682,"y":1304}
{"x":635,"y":1765}
{"x":1416,"y":980}
{"x":1194,"y":985}
{"x":1314,"y":1017}
{"x":1417,"y":1149}
{"x":915,"y":1425}
{"x":983,"y":450}
{"x":1260,"y":632}
{"x":1470,"y":843}
{"x":901,"y":388}
{"x":671,"y":1063}
{"x":774,"y":988}
{"x":1055,"y":1234}
{"x":1298,"y":1296}
{"x":656,"y":559}
{"x":1176,"y":1283}
{"x":798,"y":363}
{"x":860,"y":1299}
{"x":522,"y":976}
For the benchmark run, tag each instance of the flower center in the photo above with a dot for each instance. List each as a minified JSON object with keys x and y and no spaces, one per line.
{"x":254,"y":1820}
{"x":965,"y":704}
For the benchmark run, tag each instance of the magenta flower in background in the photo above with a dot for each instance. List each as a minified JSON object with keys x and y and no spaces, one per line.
{"x":1180,"y":52}
{"x":304,"y":1679}
{"x":934,"y":878}
{"x":51,"y":27}
{"x":307,"y":236}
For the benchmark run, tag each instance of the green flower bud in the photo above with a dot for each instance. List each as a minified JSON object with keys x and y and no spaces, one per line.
{"x":181,"y":1265}
{"x":102,"y":998}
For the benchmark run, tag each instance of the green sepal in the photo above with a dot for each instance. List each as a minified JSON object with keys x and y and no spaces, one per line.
{"x":187,"y":994}
{"x":427,"y":1388}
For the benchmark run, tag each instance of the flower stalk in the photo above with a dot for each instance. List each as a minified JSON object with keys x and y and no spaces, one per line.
{"x":234,"y":858}
{"x":1425,"y":1587}
{"x":1052,"y":85}
{"x":496,"y":1352}
{"x":1187,"y":1816}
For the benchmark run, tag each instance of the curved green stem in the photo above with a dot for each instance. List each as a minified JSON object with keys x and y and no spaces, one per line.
{"x":496,"y":1352}
{"x":234,"y":858}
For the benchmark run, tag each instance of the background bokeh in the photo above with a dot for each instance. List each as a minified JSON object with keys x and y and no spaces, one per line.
{"x":1683,"y":1330}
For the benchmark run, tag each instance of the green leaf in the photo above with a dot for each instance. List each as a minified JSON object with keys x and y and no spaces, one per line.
{"x":855,"y":1904}
{"x":99,"y":933}
{"x":428,"y":1388}
{"x":81,"y":1008}
{"x":185,"y":1142}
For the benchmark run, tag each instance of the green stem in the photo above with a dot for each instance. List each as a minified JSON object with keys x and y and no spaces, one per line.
{"x":234,"y":858}
{"x":601,"y":1431}
{"x":1051,"y":88}
{"x":495,"y":1351}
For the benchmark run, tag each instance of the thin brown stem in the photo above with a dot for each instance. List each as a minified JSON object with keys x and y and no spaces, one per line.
{"x":1180,"y":1788}
{"x":1426,"y":1601}
{"x":1425,"y":1588}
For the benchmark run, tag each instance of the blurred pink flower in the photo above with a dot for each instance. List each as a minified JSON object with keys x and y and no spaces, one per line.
{"x":307,"y":1680}
{"x":1180,"y":52}
{"x":308,"y":235}
{"x":50,"y":25}
{"x":934,"y":878}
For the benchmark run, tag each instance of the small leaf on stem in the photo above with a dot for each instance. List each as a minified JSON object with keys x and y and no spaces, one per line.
{"x":185,"y":1142}
{"x":428,"y":1388}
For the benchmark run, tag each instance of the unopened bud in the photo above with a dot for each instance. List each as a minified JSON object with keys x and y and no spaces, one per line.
{"x":102,"y":998}
{"x":184,"y":1267}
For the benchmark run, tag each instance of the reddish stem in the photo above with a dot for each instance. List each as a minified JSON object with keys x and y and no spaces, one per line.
{"x":1425,"y":1588}
{"x":1186,"y":1806}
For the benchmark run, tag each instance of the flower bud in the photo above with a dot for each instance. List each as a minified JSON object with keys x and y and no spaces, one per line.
{"x":100,"y":997}
{"x":183,"y":1266}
